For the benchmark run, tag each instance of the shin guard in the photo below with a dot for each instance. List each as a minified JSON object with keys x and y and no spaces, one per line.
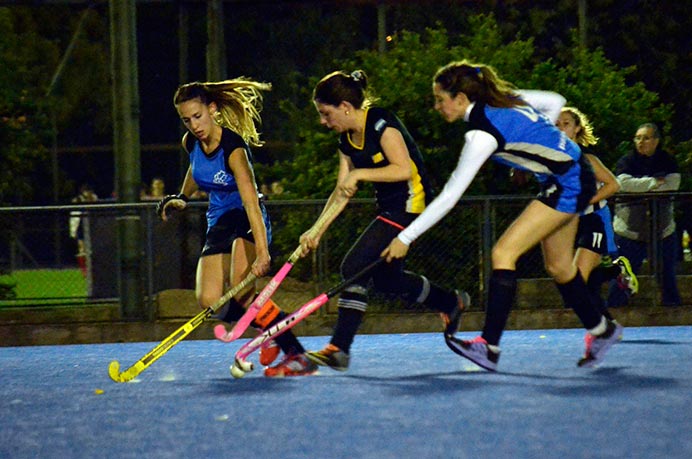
{"x":266,"y":315}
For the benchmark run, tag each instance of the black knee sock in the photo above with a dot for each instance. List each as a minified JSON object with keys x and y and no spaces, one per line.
{"x":576,"y":295}
{"x":602,"y":274}
{"x":502,"y":289}
{"x":594,"y":289}
{"x":346,"y":328}
{"x":440,"y":299}
{"x":233,"y":313}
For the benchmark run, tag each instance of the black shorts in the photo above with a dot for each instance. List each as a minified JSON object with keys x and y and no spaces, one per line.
{"x":229,"y":227}
{"x":592,"y":234}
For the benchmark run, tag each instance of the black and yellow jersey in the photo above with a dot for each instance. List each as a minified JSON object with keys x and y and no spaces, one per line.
{"x":405,"y":196}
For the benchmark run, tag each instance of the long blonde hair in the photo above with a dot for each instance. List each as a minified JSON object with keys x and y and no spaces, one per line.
{"x":585,"y":137}
{"x":239,"y":102}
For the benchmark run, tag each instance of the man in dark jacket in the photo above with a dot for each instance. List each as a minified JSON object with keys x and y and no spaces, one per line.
{"x":647,"y":169}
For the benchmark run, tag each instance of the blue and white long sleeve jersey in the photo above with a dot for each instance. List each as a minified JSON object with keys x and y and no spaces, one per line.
{"x":523,"y":137}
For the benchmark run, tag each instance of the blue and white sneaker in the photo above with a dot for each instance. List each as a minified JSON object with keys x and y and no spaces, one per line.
{"x":476,"y":350}
{"x":597,"y":346}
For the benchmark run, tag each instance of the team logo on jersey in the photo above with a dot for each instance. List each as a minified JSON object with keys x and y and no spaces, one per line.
{"x":377,"y":158}
{"x":221,"y":178}
{"x":380,"y":124}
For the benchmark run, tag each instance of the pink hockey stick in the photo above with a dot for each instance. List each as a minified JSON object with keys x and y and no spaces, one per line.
{"x":241,"y":365}
{"x":268,"y":291}
{"x":244,"y":322}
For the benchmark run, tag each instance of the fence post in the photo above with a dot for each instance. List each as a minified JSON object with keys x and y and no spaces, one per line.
{"x":654,"y":259}
{"x":129,"y":256}
{"x":486,"y":249}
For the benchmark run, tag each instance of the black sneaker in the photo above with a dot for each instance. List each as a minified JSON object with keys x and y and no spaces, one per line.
{"x":451,"y":320}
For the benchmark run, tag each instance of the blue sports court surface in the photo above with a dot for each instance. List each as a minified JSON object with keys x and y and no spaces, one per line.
{"x":404,"y":396}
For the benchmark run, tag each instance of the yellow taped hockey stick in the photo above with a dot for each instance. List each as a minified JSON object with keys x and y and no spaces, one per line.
{"x":175,"y":337}
{"x":187,"y":328}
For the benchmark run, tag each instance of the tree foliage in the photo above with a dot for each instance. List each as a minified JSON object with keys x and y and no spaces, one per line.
{"x":599,"y":88}
{"x":24,"y":125}
{"x":78,"y":104}
{"x":401,"y":79}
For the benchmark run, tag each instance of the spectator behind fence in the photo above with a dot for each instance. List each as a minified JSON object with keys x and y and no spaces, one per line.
{"x":156,"y":190}
{"x":647,"y":169}
{"x":79,"y":226}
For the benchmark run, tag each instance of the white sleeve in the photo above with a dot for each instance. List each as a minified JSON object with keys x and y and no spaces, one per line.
{"x":478,"y":147}
{"x":630,"y":184}
{"x":546,"y":102}
{"x":672,"y":182}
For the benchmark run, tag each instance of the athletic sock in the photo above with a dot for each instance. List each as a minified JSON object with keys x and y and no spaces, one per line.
{"x":594,"y":289}
{"x":576,"y":296}
{"x":347,"y":325}
{"x":231,"y":311}
{"x":600,"y":328}
{"x":353,"y":303}
{"x":81,"y":261}
{"x":434,"y":297}
{"x":502,"y":289}
{"x":602,"y":274}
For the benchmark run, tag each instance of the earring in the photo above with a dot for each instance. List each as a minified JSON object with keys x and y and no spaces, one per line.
{"x":347,"y":112}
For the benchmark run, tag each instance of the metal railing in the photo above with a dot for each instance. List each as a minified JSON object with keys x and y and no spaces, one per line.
{"x":39,"y":260}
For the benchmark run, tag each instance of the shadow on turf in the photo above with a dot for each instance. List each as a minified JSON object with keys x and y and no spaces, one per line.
{"x":615,"y":381}
{"x":594,"y":382}
{"x":250,"y":385}
{"x":650,"y":341}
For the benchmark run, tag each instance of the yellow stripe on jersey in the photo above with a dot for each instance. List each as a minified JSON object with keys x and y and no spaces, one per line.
{"x":377,"y":158}
{"x":416,"y":201}
{"x":362,"y":140}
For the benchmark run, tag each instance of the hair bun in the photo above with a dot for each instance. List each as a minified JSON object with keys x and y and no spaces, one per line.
{"x":357,"y":75}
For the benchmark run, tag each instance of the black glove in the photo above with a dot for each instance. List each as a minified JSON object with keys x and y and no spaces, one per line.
{"x":166,"y":199}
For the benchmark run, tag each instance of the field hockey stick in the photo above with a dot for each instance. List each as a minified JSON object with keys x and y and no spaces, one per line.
{"x":244,"y":322}
{"x":242,"y":366}
{"x":175,"y":337}
{"x":268,"y":291}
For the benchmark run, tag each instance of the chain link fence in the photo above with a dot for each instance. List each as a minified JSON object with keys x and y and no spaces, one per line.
{"x":44,"y":260}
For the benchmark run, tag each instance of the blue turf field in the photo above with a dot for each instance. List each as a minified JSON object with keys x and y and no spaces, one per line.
{"x":405,"y":396}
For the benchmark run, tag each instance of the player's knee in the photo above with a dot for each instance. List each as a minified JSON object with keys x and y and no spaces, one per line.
{"x":351,"y":265}
{"x":205,"y":300}
{"x":561,"y":272}
{"x":386,"y":284}
{"x":503,"y":257}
